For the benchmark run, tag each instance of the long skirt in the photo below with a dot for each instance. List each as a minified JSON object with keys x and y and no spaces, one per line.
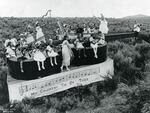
{"x":66,"y":54}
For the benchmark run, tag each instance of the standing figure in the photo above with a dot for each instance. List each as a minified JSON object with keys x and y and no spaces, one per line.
{"x":136,"y":28}
{"x":39,"y":57}
{"x":67,"y":54}
{"x":103,"y":27}
{"x":51,"y":54}
{"x":94,"y":45}
{"x":29,"y":38}
{"x":39,"y":34}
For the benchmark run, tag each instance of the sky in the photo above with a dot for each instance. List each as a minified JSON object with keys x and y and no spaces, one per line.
{"x":74,"y":8}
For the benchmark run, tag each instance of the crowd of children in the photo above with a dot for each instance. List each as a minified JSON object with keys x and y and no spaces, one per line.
{"x":28,"y":47}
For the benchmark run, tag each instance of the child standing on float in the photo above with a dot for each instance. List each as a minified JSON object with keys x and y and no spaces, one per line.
{"x":39,"y":34}
{"x":67,"y":53}
{"x":103,"y":26}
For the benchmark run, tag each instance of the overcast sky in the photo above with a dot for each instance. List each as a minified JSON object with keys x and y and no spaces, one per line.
{"x":73,"y":8}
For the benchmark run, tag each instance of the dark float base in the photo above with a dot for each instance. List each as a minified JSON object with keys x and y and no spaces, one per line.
{"x":31,"y":69}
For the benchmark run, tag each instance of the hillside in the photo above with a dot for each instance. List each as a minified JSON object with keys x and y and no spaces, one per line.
{"x":136,"y":16}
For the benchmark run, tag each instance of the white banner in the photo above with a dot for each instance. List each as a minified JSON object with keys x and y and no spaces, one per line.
{"x":60,"y":82}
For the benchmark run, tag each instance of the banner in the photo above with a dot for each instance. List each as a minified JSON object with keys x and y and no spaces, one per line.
{"x":61,"y":81}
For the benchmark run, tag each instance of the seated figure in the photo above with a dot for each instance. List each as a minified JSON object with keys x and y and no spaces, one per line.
{"x":9,"y":50}
{"x":101,"y":38}
{"x":79,"y":45}
{"x":94,"y":45}
{"x":39,"y":57}
{"x":52,"y":54}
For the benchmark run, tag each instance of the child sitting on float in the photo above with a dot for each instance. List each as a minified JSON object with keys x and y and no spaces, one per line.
{"x":20,"y":56}
{"x":39,"y":57}
{"x":67,"y":53}
{"x":51,"y":53}
{"x":94,"y":45}
{"x":24,"y":47}
{"x":79,"y":45}
{"x":101,"y":38}
{"x":9,"y":51}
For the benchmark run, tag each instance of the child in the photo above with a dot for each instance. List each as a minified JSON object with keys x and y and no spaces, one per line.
{"x":94,"y":45}
{"x":67,"y":54}
{"x":79,"y":45}
{"x":9,"y":51}
{"x":103,"y":27}
{"x":137,"y":29}
{"x":39,"y":57}
{"x":51,"y":54}
{"x":29,"y":38}
{"x":39,"y":34}
{"x":101,"y":38}
{"x":14,"y":42}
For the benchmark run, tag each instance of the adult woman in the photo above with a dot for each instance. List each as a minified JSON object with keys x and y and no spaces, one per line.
{"x":67,"y":53}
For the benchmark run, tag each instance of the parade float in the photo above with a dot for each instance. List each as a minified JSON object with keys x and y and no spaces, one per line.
{"x":84,"y":69}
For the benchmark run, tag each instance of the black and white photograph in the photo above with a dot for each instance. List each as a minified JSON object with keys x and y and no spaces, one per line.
{"x":74,"y":56}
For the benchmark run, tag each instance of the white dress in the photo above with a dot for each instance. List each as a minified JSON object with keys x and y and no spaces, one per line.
{"x":136,"y":28}
{"x":30,"y":39}
{"x":103,"y":27}
{"x":13,"y":41}
{"x":78,"y":44}
{"x":10,"y":52}
{"x":93,"y":45}
{"x":51,"y":52}
{"x":6,"y":42}
{"x":66,"y":53}
{"x":102,"y":39}
{"x":39,"y":56}
{"x":39,"y":34}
